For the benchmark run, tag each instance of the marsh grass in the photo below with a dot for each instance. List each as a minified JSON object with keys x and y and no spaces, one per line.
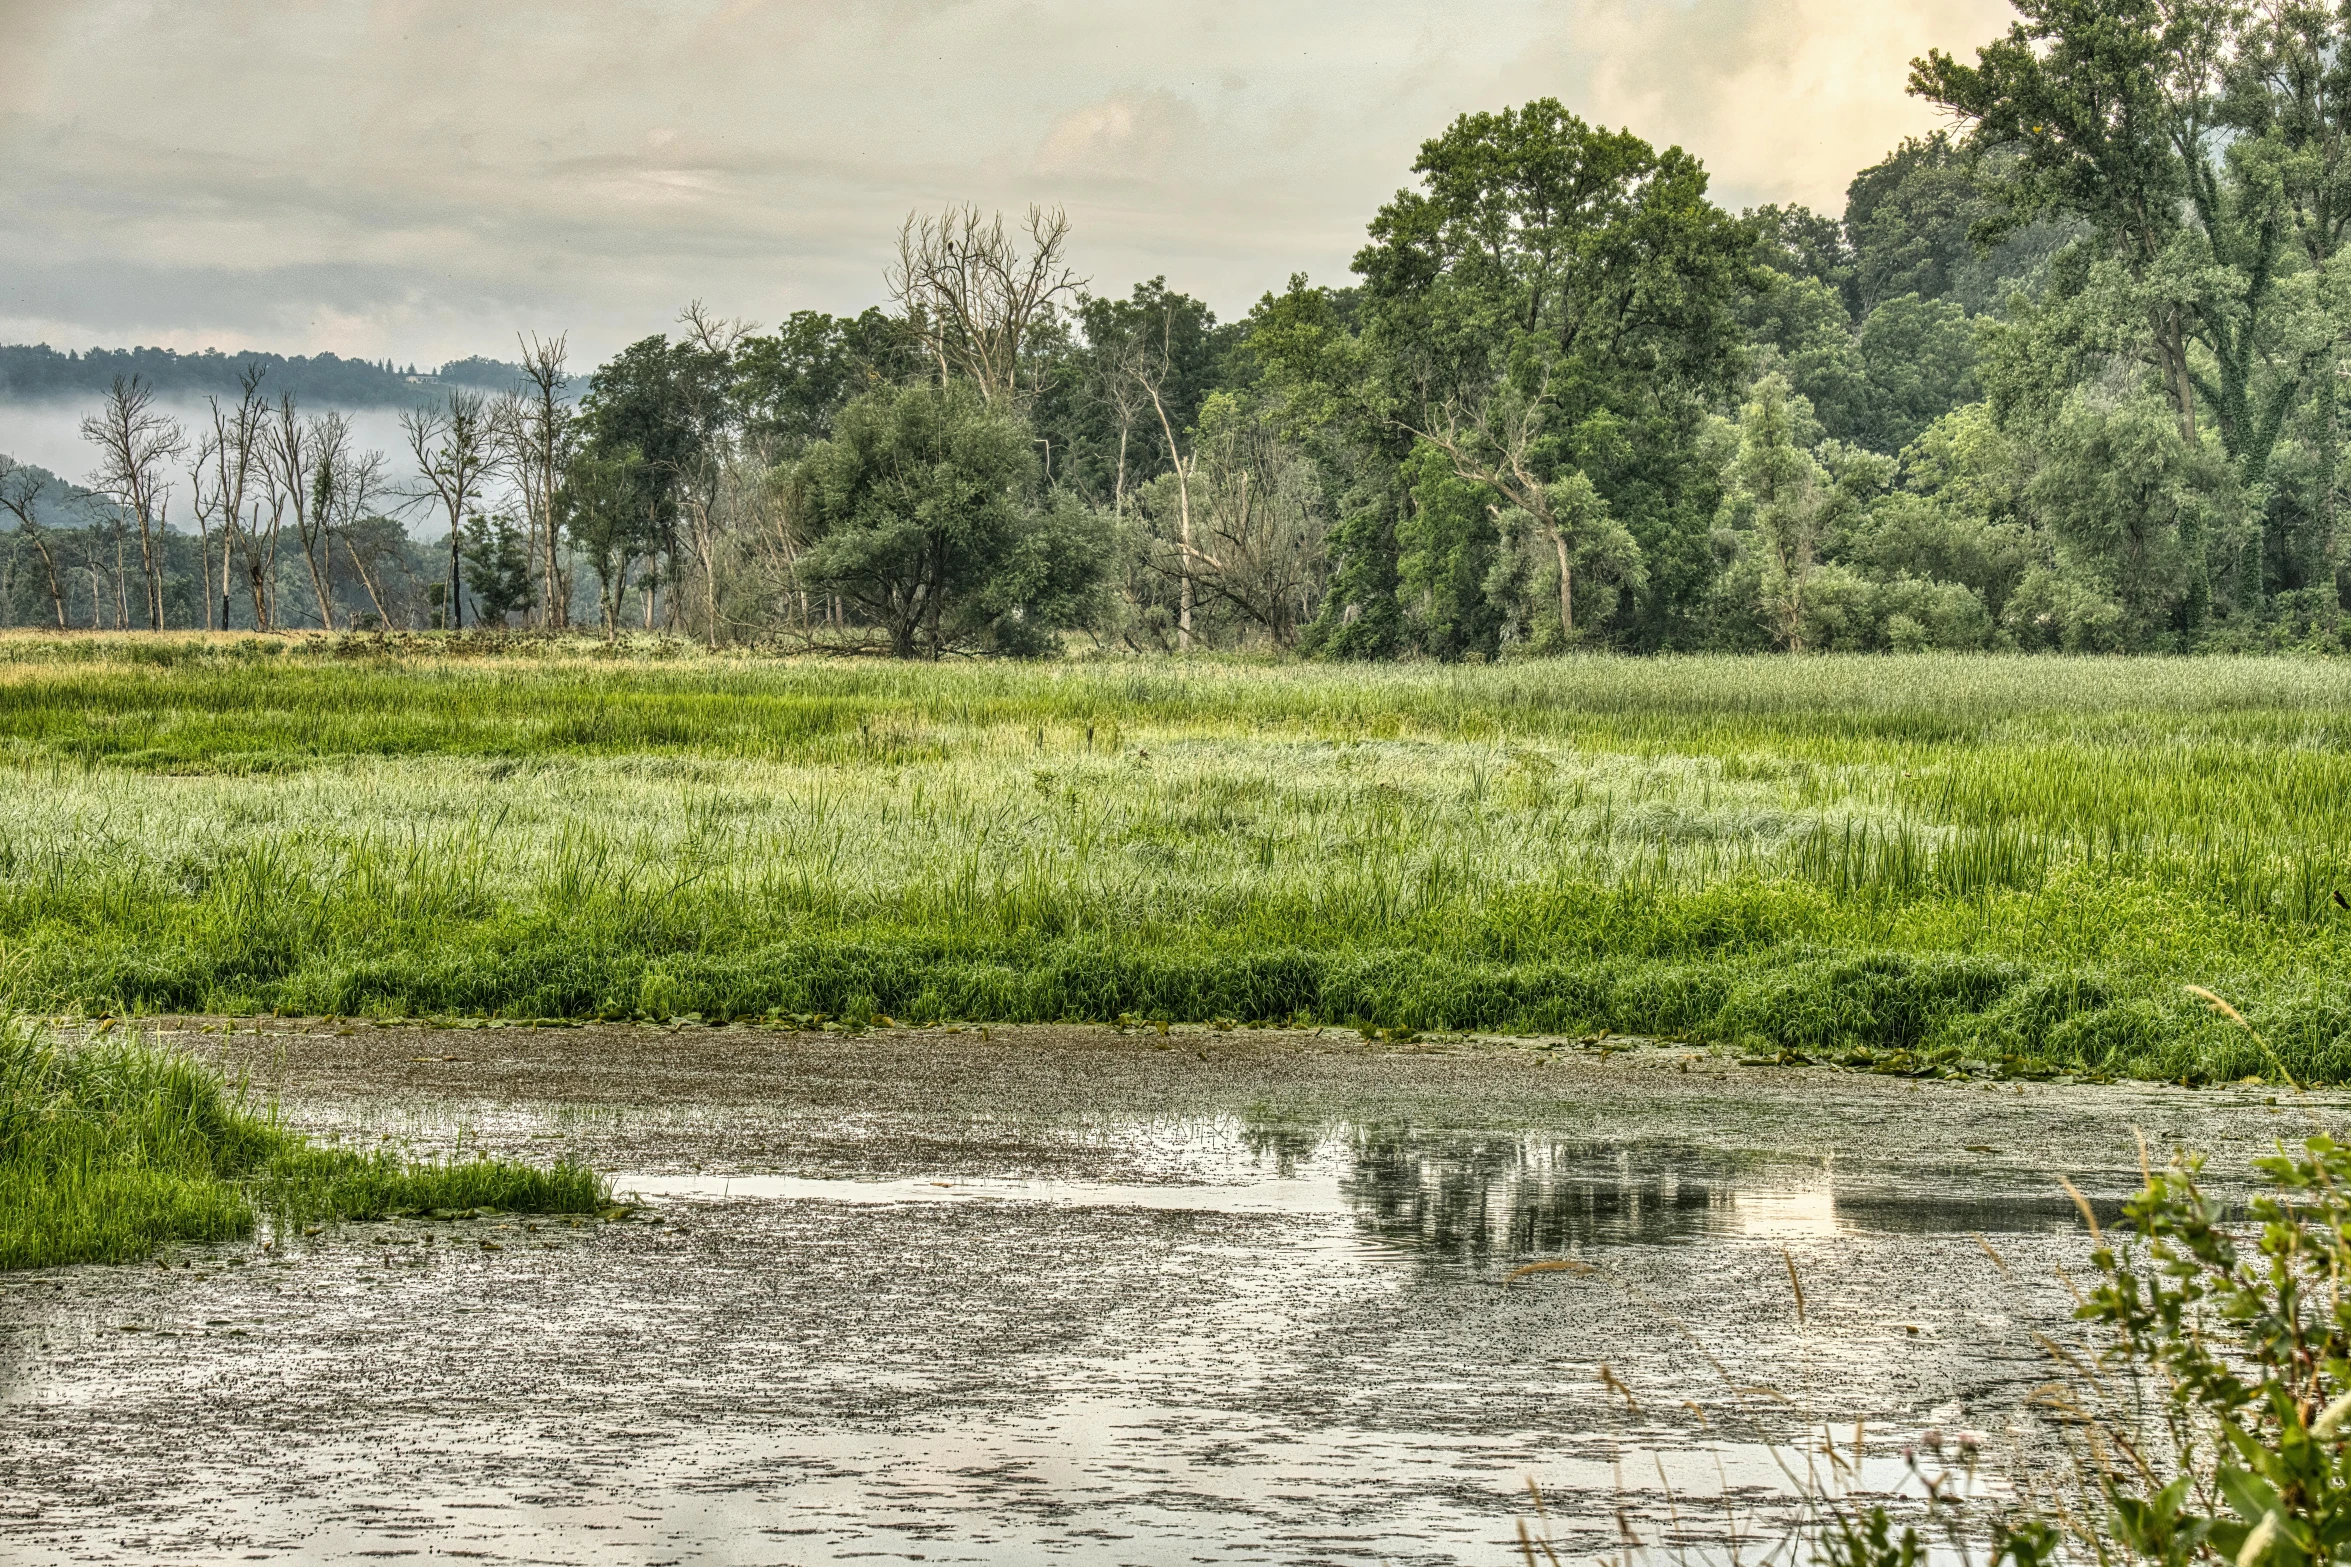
{"x":112,"y":1149}
{"x":1927,"y":864}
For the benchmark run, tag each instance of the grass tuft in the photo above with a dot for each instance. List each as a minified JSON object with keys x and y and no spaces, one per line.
{"x":113,"y":1149}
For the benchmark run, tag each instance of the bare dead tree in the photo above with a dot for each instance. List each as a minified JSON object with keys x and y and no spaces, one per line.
{"x":1150,"y":371}
{"x":1126,"y":405}
{"x":718,"y":336}
{"x":20,"y":497}
{"x":454,"y":454}
{"x":300,"y":450}
{"x":350,"y":487}
{"x":779,"y":536}
{"x":228,"y":458}
{"x":536,"y":434}
{"x":974,"y":296}
{"x":710,"y":491}
{"x":1259,"y":548}
{"x":135,"y":440}
{"x":201,"y":503}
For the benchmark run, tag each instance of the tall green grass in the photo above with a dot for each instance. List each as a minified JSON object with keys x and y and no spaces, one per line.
{"x":1918,"y":861}
{"x":113,"y":1149}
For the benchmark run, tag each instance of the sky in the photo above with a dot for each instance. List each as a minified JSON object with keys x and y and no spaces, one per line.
{"x":421,"y":179}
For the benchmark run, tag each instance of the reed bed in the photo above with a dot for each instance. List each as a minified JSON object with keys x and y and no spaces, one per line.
{"x":1933,"y":863}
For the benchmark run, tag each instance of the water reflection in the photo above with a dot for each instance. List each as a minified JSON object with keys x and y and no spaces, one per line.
{"x":1478,"y":1198}
{"x":1468,"y":1197}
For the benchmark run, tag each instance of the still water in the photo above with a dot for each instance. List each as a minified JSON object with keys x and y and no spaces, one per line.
{"x":1070,"y":1296}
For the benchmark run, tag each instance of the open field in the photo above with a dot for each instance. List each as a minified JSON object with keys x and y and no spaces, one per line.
{"x":1908,"y":861}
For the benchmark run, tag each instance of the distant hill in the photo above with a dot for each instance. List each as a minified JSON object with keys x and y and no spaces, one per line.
{"x":30,"y":371}
{"x":63,"y":504}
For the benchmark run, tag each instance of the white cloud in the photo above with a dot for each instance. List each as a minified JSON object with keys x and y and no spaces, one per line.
{"x":418,"y":178}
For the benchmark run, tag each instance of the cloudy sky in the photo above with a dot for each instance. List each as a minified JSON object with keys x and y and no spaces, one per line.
{"x":420,"y":178}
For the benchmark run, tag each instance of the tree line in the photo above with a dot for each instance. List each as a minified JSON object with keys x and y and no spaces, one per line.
{"x":2065,"y":376}
{"x":35,"y":371}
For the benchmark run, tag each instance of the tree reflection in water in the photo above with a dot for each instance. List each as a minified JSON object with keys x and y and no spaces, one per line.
{"x":1474,"y":1197}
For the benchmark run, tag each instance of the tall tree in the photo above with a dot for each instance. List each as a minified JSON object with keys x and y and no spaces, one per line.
{"x":2198,"y":140}
{"x":1775,"y":502}
{"x":975,"y":297}
{"x":451,"y":446}
{"x":230,"y":457}
{"x":664,"y":407}
{"x":536,"y":431}
{"x":301,"y":453}
{"x":924,"y":496}
{"x":135,"y":440}
{"x":1551,"y":290}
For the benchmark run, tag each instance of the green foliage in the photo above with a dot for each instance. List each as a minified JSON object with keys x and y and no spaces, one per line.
{"x":497,"y":568}
{"x":2247,"y":1340}
{"x":1558,"y":299}
{"x":1446,"y":546}
{"x":923,"y":510}
{"x":788,"y":387}
{"x":658,"y":404}
{"x":1913,"y":219}
{"x":611,"y":506}
{"x":2130,"y":511}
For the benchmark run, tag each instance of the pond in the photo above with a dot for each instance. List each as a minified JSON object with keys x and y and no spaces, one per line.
{"x":1029,"y":1294}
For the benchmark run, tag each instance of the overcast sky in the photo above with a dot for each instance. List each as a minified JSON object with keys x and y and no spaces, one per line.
{"x":420,"y":178}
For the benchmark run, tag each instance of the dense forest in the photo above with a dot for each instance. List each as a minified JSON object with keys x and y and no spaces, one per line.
{"x":2066,"y":376}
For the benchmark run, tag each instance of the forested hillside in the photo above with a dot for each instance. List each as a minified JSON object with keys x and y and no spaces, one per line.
{"x":2066,"y":377}
{"x":37,"y":371}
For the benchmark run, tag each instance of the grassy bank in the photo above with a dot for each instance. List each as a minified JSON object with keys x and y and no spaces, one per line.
{"x":1930,"y":859}
{"x":111,"y":1150}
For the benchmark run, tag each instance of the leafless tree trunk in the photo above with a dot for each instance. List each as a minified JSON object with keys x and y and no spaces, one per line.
{"x":20,"y":497}
{"x":349,"y":485}
{"x":452,"y":448}
{"x":1501,"y":460}
{"x":303,"y":454}
{"x":201,"y":505}
{"x":974,"y":297}
{"x":1259,"y":537}
{"x":226,"y":461}
{"x":134,"y":441}
{"x":535,"y":436}
{"x":1152,"y":377}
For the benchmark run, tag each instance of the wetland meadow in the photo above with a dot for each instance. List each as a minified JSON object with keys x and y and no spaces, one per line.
{"x":1990,"y":864}
{"x":551,"y":1098}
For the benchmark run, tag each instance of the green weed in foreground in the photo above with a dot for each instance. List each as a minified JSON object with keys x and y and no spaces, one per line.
{"x":2211,"y":1421}
{"x":112,"y":1149}
{"x":1914,"y":862}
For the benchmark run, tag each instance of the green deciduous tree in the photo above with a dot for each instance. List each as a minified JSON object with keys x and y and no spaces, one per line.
{"x":1776,"y":503}
{"x":1561,"y":299}
{"x":924,"y":515}
{"x":497,"y":568}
